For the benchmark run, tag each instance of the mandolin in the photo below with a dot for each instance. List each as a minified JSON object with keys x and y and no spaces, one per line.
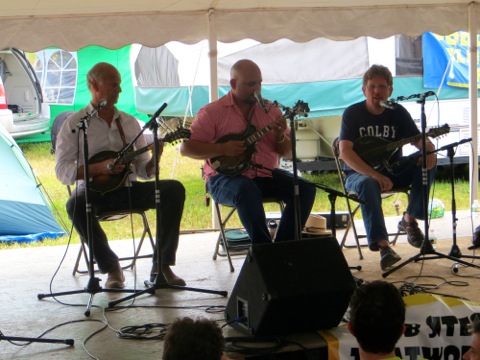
{"x":377,"y":152}
{"x":236,"y":165}
{"x":105,"y":183}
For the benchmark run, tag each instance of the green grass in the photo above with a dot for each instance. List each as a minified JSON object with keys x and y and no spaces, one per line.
{"x":196,"y":215}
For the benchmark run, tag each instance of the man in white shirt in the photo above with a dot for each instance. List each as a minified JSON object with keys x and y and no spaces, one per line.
{"x":110,"y":130}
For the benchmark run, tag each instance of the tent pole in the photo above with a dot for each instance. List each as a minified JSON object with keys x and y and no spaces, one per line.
{"x":212,"y":54}
{"x":213,"y":88}
{"x":472,"y":89}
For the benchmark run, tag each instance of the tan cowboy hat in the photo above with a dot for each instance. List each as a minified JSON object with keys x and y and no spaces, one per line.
{"x":316,"y":225}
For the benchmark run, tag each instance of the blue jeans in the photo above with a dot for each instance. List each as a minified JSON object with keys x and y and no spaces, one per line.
{"x":246,"y":195}
{"x":368,"y":190}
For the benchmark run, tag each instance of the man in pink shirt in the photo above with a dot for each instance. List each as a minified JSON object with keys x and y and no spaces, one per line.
{"x":233,"y":114}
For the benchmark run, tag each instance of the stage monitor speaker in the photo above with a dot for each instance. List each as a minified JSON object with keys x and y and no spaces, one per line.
{"x":290,"y":287}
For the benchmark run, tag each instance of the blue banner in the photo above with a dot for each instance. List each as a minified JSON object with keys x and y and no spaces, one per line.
{"x":446,"y":60}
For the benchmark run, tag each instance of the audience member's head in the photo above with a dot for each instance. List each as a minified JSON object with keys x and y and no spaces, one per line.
{"x":474,"y":352}
{"x":188,"y":339}
{"x":377,"y":316}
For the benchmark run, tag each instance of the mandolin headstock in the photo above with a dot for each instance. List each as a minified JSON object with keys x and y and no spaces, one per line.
{"x":301,"y":108}
{"x":179,"y":134}
{"x":438,"y":131}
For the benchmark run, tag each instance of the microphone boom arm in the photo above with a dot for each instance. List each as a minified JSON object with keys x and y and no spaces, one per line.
{"x":129,"y":146}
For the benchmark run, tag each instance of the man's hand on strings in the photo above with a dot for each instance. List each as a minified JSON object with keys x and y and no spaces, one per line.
{"x":107,"y":167}
{"x":232,"y":147}
{"x":279,"y":126}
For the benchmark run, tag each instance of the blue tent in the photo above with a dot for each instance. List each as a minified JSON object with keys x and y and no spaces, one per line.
{"x":25,"y":214}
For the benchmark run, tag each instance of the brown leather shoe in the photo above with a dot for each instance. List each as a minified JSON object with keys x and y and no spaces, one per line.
{"x":170,"y":276}
{"x":115,"y":278}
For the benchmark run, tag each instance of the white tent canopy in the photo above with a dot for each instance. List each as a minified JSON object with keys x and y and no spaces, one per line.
{"x":71,"y":25}
{"x":34,"y":25}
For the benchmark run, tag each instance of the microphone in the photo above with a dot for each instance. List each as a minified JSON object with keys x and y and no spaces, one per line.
{"x":389,"y":104}
{"x":85,"y":121}
{"x":101,"y":104}
{"x":159,"y":111}
{"x":152,"y":123}
{"x":259,"y":98}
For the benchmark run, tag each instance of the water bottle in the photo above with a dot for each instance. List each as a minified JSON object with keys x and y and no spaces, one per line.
{"x":272,"y":227}
{"x":436,"y":209}
{"x":475,"y":207}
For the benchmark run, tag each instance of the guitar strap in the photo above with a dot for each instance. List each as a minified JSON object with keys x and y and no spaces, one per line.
{"x":250,"y":115}
{"x":120,"y":130}
{"x":124,"y":140}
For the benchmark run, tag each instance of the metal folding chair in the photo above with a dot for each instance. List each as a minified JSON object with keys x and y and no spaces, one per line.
{"x":106,"y":216}
{"x":222,"y":238}
{"x":112,"y":216}
{"x":352,"y":209}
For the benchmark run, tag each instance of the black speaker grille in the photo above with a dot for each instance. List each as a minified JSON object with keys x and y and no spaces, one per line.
{"x":291,"y":287}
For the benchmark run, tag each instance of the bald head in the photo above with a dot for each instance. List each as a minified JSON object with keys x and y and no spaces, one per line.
{"x":245,"y":79}
{"x":104,"y":81}
{"x":99,"y":72}
{"x":242,"y":67}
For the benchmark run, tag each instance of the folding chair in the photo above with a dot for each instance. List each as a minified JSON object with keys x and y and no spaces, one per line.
{"x":352,"y":209}
{"x":222,"y":238}
{"x":112,"y":216}
{"x":106,"y":216}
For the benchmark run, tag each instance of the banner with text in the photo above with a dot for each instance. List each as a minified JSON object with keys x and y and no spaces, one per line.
{"x":446,"y":60}
{"x":437,"y":328}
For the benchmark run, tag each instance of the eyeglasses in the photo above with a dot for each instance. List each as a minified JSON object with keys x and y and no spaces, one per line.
{"x":377,"y":87}
{"x":253,"y":83}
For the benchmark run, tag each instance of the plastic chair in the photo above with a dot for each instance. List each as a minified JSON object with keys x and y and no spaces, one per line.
{"x":222,"y":238}
{"x":352,"y":209}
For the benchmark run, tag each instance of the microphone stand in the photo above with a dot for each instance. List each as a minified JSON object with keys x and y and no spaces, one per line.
{"x":426,"y":248}
{"x":39,"y":340}
{"x":93,"y":286}
{"x":290,"y":114}
{"x":455,"y":250}
{"x":332,"y":197}
{"x":160,"y":281}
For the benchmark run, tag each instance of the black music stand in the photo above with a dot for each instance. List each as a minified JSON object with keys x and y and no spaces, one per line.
{"x":160,"y":281}
{"x":93,"y":286}
{"x":426,"y":248}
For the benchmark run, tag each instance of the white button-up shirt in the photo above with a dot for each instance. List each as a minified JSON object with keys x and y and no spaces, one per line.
{"x":100,"y":137}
